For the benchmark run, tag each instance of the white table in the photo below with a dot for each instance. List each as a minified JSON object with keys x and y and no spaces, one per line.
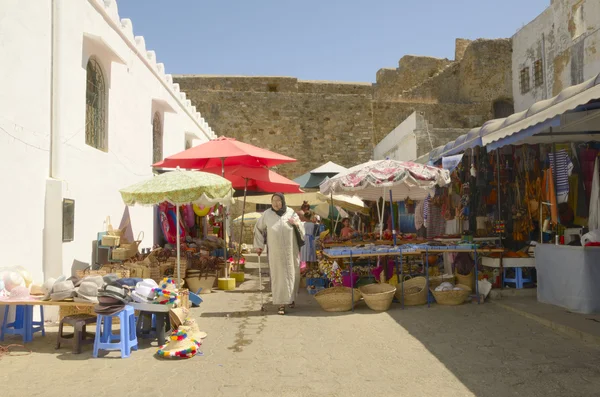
{"x":508,"y":262}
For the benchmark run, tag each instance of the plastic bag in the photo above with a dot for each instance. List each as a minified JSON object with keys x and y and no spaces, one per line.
{"x":591,"y":237}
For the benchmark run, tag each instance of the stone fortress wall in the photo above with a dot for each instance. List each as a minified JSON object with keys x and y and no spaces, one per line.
{"x":320,"y":121}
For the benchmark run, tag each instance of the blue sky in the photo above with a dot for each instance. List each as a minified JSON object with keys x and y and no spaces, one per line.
{"x":315,"y":39}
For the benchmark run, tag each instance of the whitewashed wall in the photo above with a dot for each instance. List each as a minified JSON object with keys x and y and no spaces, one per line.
{"x":33,"y":191}
{"x":401,"y":143}
{"x":564,"y":36}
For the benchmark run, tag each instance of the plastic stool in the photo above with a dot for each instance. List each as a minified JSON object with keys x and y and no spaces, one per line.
{"x":124,"y":341}
{"x":79,"y":336}
{"x":23,"y":324}
{"x":518,"y":280}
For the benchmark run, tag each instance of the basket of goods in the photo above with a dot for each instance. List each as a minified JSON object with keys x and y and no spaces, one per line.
{"x":337,"y":299}
{"x":378,"y":296}
{"x":415,"y":291}
{"x":436,"y":281}
{"x":451,"y":295}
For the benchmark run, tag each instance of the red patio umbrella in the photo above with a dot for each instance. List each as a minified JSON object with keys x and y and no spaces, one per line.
{"x":221,"y":152}
{"x":256,"y":179}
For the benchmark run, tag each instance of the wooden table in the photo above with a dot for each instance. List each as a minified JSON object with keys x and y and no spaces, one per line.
{"x":32,"y":302}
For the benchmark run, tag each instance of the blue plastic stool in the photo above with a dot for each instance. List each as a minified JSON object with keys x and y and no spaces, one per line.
{"x":23,"y":324}
{"x":518,"y":280}
{"x":124,"y":341}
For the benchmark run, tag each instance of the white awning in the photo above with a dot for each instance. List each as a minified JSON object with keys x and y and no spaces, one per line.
{"x":541,"y":116}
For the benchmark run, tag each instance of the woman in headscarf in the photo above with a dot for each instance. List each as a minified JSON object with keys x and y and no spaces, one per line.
{"x":279,"y":222}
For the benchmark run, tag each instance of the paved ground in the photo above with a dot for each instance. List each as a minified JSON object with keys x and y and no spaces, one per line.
{"x":442,"y":351}
{"x":585,"y":327}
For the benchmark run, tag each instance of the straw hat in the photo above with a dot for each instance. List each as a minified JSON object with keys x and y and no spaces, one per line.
{"x":191,"y":328}
{"x":168,"y":284}
{"x":37,"y":290}
{"x":177,"y":316}
{"x":179,"y":346}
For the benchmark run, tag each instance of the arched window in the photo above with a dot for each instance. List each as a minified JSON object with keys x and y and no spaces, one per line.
{"x":95,"y":107}
{"x":157,"y":139}
{"x":502,"y":108}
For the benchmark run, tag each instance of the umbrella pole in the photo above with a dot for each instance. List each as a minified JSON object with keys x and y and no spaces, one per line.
{"x":178,"y":247}
{"x":239,"y":255}
{"x":331,"y":213}
{"x":224,"y":224}
{"x":392,"y":215}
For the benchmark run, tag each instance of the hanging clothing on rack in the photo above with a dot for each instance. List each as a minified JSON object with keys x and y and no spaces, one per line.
{"x":561,"y":170}
{"x":548,"y":194}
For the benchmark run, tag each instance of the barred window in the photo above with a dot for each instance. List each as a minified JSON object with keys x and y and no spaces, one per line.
{"x":538,"y":73}
{"x":95,"y":107}
{"x":157,"y":139}
{"x":524,"y":84}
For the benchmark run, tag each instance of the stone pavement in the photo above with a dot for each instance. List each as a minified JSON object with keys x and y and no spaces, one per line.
{"x":468,"y":350}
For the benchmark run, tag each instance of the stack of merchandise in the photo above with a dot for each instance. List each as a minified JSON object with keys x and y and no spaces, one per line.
{"x":186,"y":338}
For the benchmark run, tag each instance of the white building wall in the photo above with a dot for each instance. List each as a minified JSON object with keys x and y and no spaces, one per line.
{"x":138,"y":87}
{"x":24,"y":130}
{"x":566,"y":37}
{"x":401,"y":143}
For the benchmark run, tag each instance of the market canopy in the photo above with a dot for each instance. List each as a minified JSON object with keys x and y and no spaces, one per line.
{"x":541,"y":115}
{"x":466,"y":141}
{"x":375,"y":179}
{"x":349,"y":203}
{"x":314,"y":178}
{"x":329,"y":168}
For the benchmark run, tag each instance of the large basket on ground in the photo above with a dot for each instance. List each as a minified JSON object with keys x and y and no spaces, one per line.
{"x":378,"y":296}
{"x":452,"y":298}
{"x":337,"y":299}
{"x":415,"y":291}
{"x":435,"y":281}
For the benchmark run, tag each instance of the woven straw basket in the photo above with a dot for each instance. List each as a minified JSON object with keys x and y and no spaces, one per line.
{"x":452,"y":298}
{"x":337,"y":299}
{"x":415,"y":291}
{"x":468,"y":280}
{"x":378,"y":296}
{"x":435,"y":281}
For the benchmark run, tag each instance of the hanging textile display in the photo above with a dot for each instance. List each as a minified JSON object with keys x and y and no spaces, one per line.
{"x":562,"y":168}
